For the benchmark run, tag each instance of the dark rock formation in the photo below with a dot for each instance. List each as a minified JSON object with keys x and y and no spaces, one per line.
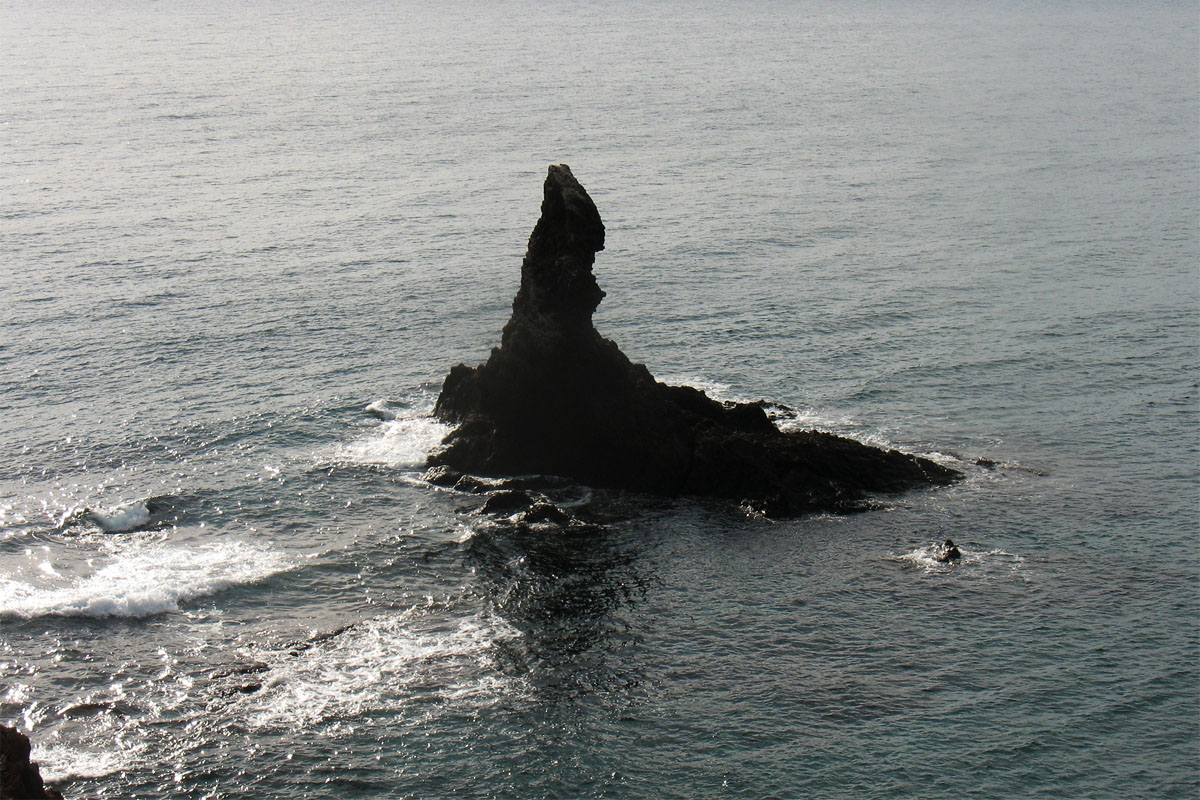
{"x":507,"y":501}
{"x":20,"y":777}
{"x":546,"y":513}
{"x":558,"y":399}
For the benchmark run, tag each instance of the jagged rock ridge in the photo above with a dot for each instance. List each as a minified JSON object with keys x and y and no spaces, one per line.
{"x":556,"y":398}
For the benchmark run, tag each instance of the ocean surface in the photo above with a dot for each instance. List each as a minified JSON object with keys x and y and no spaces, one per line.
{"x":242,"y":244}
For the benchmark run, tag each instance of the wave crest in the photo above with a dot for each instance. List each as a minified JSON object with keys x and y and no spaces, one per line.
{"x":143,"y":580}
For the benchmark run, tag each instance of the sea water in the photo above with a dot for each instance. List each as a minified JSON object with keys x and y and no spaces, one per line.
{"x":243,"y":244}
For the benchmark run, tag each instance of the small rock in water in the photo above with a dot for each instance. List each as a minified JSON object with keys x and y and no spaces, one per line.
{"x":471,"y":484}
{"x":546,"y":512}
{"x":441,"y":475}
{"x":948,"y":553}
{"x":507,"y":501}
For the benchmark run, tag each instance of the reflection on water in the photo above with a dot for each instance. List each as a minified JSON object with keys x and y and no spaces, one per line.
{"x":567,"y":589}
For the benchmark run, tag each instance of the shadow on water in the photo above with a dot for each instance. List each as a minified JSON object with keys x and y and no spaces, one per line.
{"x":569,"y":591}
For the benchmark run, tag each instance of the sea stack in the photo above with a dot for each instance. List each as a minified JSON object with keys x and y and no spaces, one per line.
{"x":556,"y":398}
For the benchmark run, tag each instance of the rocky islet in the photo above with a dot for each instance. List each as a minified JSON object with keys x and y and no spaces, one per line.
{"x":556,"y":398}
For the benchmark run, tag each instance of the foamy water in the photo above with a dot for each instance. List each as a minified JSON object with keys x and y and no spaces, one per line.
{"x":411,"y":659}
{"x":973,"y":561}
{"x":402,"y":442}
{"x":143,"y":579}
{"x":70,"y":763}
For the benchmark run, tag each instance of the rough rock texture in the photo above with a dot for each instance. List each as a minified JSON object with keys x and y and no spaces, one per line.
{"x":556,"y":398}
{"x":19,"y":777}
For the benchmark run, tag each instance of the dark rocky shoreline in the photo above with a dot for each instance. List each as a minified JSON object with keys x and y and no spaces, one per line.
{"x":556,"y":398}
{"x":20,"y":778}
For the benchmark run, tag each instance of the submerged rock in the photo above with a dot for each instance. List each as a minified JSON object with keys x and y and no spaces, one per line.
{"x":556,"y":398}
{"x":20,"y":777}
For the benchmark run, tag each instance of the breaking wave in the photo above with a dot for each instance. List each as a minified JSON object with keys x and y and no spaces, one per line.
{"x":142,"y":580}
{"x":403,"y":439}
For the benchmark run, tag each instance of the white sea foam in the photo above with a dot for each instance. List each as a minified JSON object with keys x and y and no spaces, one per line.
{"x":121,"y":518}
{"x":926,"y":557}
{"x":404,"y":441}
{"x":786,"y":419}
{"x":418,"y":655}
{"x":60,"y":763}
{"x":381,"y":409}
{"x":810,"y":419}
{"x":946,"y":459}
{"x":143,"y":579}
{"x":715,"y":389}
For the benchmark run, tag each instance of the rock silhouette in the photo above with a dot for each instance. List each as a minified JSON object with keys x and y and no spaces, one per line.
{"x":556,"y":398}
{"x":20,"y":777}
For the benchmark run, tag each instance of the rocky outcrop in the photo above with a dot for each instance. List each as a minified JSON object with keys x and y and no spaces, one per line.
{"x":20,"y":777}
{"x":556,"y":398}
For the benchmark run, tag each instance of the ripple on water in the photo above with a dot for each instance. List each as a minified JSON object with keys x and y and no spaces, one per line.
{"x":418,"y":659}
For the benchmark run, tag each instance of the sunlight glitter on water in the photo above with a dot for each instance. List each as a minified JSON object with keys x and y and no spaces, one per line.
{"x":400,"y":442}
{"x":142,"y":579}
{"x":416,"y":659}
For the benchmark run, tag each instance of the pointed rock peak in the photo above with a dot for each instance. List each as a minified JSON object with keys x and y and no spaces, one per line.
{"x":557,"y":285}
{"x":557,"y":399}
